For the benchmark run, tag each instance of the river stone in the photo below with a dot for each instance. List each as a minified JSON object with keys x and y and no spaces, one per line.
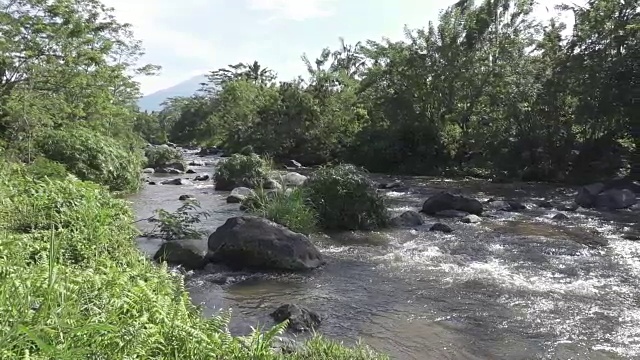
{"x":507,"y":205}
{"x":451,"y":214}
{"x":190,"y":171}
{"x":176,"y":165}
{"x":239,"y":194}
{"x":163,"y":170}
{"x":471,"y":219}
{"x":148,"y":171}
{"x":407,"y":219}
{"x":545,"y":204}
{"x":203,"y":177}
{"x":181,"y":253}
{"x":300,"y":318}
{"x":631,"y":237}
{"x":272,"y":184}
{"x":447,"y":201}
{"x":196,"y":163}
{"x":392,"y":185}
{"x":186,"y":197}
{"x":294,"y":179}
{"x":560,"y":217}
{"x":614,"y":199}
{"x":293,"y":164}
{"x":586,"y":196}
{"x":177,"y":181}
{"x":441,"y":228}
{"x":254,"y":242}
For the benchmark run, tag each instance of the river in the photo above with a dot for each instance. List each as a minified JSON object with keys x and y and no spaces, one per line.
{"x":516,"y":286}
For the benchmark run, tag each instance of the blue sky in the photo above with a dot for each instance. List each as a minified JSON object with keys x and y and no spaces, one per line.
{"x":192,"y":37}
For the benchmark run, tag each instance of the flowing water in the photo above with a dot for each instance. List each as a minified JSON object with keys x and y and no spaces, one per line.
{"x":516,"y":286}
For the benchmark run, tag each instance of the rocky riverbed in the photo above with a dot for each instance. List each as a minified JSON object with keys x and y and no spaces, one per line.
{"x":531,"y":278}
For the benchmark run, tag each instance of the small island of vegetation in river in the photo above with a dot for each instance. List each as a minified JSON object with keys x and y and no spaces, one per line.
{"x":487,"y":91}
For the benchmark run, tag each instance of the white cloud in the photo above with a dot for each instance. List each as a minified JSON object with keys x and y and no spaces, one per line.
{"x":146,"y":19}
{"x":294,"y":9}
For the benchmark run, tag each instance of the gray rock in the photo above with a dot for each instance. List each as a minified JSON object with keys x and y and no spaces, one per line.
{"x":294,"y":179}
{"x":271,"y":184}
{"x":441,"y":228}
{"x":176,"y":165}
{"x":407,"y":219}
{"x":451,"y":214}
{"x":507,"y":205}
{"x":148,"y":171}
{"x":203,"y":177}
{"x":190,"y":171}
{"x":292,"y":164}
{"x":186,"y":197}
{"x":254,"y":242}
{"x":181,"y":253}
{"x":300,"y":318}
{"x":239,"y":194}
{"x":177,"y":181}
{"x":560,"y":217}
{"x":614,"y":199}
{"x":471,"y":219}
{"x":392,"y":185}
{"x":447,"y":201}
{"x":545,"y":204}
{"x":586,"y":196}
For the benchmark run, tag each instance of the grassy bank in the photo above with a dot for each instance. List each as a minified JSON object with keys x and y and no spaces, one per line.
{"x":74,"y":286}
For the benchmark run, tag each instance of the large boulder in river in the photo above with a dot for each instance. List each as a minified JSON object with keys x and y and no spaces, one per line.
{"x":447,"y":201}
{"x":599,"y":196}
{"x":254,"y":242}
{"x":587,"y":195}
{"x":614,"y":199}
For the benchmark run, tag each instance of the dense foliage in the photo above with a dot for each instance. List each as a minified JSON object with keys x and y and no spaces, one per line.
{"x":93,"y":156}
{"x":487,"y":88}
{"x":66,"y":74}
{"x":345,"y":199}
{"x":158,"y":156}
{"x":242,"y":170}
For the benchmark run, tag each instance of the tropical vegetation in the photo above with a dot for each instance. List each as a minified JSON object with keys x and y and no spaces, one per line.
{"x":488,"y":90}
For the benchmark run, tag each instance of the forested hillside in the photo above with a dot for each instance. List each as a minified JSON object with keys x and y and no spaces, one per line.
{"x":487,"y":90}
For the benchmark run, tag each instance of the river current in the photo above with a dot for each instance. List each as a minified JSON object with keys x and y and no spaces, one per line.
{"x":518,"y":285}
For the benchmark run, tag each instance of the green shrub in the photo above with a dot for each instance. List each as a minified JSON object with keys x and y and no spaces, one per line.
{"x":76,"y":287}
{"x":242,"y":170}
{"x":179,"y":225}
{"x":291,"y":209}
{"x":345,"y":199}
{"x":42,"y":167}
{"x":247,"y":150}
{"x":159,"y":156}
{"x":93,"y":157}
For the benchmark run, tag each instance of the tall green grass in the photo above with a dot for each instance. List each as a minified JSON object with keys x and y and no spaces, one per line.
{"x":289,"y":208}
{"x":73,"y":285}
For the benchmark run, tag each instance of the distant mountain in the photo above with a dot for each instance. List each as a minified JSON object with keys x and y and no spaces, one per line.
{"x":152,"y":101}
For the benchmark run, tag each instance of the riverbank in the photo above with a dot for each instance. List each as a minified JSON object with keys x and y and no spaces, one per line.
{"x":485,"y":291}
{"x":73,"y":285}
